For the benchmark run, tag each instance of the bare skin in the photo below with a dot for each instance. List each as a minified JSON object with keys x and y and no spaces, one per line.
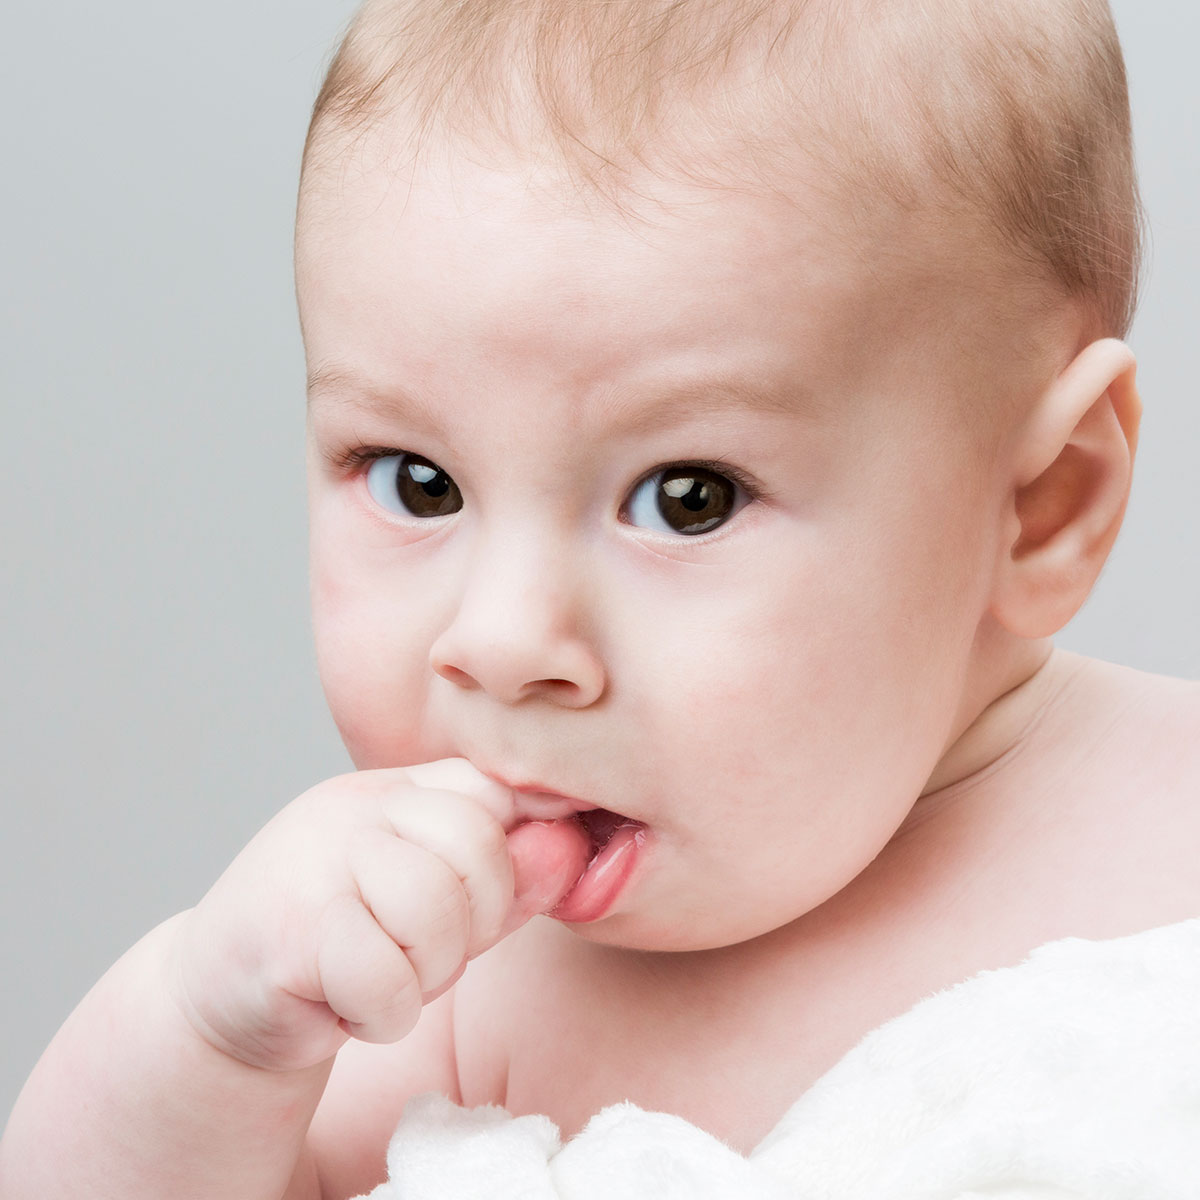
{"x":1098,"y":840}
{"x":861,"y":620}
{"x":1078,"y":818}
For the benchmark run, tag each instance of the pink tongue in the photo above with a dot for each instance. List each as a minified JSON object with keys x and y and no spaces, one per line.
{"x":548,"y":858}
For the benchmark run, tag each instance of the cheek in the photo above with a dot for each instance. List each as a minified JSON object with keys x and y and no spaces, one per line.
{"x":830,"y":678}
{"x":738,"y":688}
{"x":373,"y":678}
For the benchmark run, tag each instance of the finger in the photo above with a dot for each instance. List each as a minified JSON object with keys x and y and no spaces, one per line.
{"x":417,"y":900}
{"x":365,"y":978}
{"x":458,"y":775}
{"x":548,"y":859}
{"x":430,"y":997}
{"x":455,"y":829}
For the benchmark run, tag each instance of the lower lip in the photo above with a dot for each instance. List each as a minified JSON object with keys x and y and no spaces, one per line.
{"x":605,"y":878}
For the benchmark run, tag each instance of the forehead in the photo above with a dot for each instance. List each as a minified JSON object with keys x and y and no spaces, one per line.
{"x":503,"y":273}
{"x":512,"y":266}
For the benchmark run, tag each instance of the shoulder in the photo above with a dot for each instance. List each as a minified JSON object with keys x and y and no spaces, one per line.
{"x":1125,"y":718}
{"x":1140,"y":764}
{"x":366,"y":1094}
{"x":1150,"y":724}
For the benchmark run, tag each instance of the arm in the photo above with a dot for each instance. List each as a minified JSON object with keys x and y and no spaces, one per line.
{"x":128,"y":1101}
{"x":194,"y":1067}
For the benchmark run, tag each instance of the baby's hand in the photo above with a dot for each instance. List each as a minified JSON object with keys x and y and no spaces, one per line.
{"x":357,"y":904}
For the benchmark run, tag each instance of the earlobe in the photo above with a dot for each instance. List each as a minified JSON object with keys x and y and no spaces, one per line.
{"x":1072,"y":470}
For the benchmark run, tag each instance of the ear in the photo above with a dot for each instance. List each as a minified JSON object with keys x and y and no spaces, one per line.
{"x":1072,"y":469}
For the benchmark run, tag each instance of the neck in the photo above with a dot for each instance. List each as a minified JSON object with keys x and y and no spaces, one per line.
{"x":1002,"y":712}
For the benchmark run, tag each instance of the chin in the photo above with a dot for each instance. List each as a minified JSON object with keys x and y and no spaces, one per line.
{"x":630,"y":931}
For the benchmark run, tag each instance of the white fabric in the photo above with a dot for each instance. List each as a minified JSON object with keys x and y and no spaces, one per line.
{"x":1076,"y":1074}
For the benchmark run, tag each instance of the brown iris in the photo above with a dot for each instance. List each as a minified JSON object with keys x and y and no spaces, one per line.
{"x":693,"y":500}
{"x":425,"y":489}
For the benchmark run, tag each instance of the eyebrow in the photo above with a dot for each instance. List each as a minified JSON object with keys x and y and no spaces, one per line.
{"x":331,"y":383}
{"x":702,"y":396}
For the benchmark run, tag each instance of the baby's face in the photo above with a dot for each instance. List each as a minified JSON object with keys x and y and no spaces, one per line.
{"x":671,"y":515}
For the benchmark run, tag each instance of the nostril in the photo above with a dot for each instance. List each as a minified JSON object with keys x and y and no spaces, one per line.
{"x":560,"y":689}
{"x":513,"y":669}
{"x":455,"y":675}
{"x":568,"y":692}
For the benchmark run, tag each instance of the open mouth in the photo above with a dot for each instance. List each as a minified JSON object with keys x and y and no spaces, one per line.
{"x":601,"y":826}
{"x":616,"y":842}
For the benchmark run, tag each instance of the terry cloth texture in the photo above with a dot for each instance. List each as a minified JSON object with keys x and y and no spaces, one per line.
{"x":1073,"y":1075}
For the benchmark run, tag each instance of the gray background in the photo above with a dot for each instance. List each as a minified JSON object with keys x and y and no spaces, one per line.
{"x":161,"y":700}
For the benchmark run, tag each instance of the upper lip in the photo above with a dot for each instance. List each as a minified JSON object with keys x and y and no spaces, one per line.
{"x":537,"y":801}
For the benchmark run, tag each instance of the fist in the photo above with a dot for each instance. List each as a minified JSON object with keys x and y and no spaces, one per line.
{"x":358,"y":903}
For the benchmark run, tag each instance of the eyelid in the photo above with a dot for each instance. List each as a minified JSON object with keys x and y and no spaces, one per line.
{"x":747,"y":482}
{"x":360,"y":456}
{"x":349,"y":460}
{"x":353,"y":466}
{"x":633,"y":509}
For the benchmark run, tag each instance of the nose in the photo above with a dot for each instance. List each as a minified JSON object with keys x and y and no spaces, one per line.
{"x":520,"y":632}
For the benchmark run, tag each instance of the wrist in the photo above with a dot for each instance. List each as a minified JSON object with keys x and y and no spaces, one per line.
{"x":130,"y":1094}
{"x":200,"y":1019}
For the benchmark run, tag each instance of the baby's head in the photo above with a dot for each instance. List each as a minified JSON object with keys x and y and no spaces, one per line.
{"x":708,"y":413}
{"x":1007,"y":122}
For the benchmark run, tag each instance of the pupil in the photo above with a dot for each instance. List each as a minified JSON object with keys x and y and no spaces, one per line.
{"x":439,"y":485}
{"x":697,"y":498}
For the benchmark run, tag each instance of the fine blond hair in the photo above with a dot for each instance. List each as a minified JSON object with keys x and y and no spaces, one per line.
{"x":1015,"y":111}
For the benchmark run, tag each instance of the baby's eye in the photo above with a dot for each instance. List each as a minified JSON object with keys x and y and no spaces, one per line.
{"x":686,"y":499}
{"x":411,"y":486}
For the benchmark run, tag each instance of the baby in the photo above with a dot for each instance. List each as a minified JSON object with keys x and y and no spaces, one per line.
{"x":715,"y":408}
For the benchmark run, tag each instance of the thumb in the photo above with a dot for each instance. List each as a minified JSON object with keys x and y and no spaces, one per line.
{"x":548,"y":858}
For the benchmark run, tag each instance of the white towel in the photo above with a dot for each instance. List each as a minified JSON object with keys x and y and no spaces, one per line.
{"x":1075,"y":1074}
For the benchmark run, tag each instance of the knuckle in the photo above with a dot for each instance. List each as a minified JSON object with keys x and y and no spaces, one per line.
{"x":366,"y":979}
{"x":396,"y":997}
{"x":390,"y":1018}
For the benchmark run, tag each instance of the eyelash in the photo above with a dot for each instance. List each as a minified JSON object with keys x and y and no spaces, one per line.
{"x":718,"y":466}
{"x":355,"y":459}
{"x":349,"y":461}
